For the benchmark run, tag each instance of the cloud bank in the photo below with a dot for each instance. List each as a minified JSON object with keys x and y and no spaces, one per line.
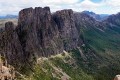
{"x":104,"y":6}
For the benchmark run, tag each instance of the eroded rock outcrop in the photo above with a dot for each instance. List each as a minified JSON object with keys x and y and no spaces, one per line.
{"x":6,"y":71}
{"x":43,"y":34}
{"x":10,"y":45}
{"x":39,"y":33}
{"x":67,"y":29}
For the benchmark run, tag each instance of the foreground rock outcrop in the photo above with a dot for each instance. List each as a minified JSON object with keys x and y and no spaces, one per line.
{"x":6,"y":71}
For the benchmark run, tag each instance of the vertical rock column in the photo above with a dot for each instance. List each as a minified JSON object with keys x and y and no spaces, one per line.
{"x":67,"y":28}
{"x":11,"y":47}
{"x":38,"y":33}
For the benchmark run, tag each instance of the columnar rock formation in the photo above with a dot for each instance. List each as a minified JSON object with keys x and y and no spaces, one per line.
{"x":10,"y":46}
{"x":39,"y":33}
{"x":67,"y":29}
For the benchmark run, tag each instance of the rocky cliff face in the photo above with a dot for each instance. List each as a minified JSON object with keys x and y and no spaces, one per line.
{"x":67,"y":29}
{"x":39,"y":33}
{"x":43,"y":33}
{"x":10,"y":46}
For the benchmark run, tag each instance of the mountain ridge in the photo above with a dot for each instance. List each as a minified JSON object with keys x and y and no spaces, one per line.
{"x":9,"y":16}
{"x":99,"y":17}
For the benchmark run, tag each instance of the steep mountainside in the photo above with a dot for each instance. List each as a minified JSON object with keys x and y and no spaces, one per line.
{"x":103,"y":39}
{"x":83,"y":48}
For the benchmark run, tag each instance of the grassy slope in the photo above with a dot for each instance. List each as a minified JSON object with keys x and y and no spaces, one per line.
{"x":59,"y":66}
{"x":105,"y":44}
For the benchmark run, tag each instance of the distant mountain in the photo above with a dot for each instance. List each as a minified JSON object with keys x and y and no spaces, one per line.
{"x":9,"y":16}
{"x":114,"y":19}
{"x":99,"y":17}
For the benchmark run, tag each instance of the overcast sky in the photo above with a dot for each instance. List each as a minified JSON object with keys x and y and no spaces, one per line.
{"x":97,"y":6}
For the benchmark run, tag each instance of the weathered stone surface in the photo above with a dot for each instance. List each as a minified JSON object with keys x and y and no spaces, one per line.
{"x":10,"y":45}
{"x":6,"y":71}
{"x":38,"y":32}
{"x":67,"y":29}
{"x":43,"y":34}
